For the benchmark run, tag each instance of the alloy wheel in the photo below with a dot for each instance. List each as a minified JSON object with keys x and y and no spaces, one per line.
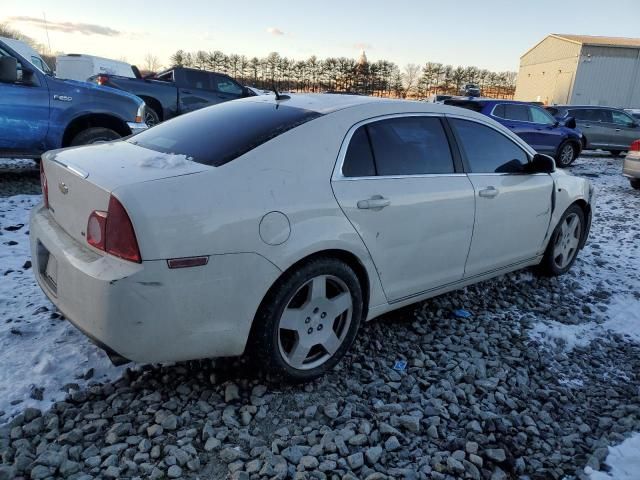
{"x":315,"y":322}
{"x":566,"y":245}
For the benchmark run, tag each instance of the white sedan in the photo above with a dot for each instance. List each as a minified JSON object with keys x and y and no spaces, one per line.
{"x":277,"y":226}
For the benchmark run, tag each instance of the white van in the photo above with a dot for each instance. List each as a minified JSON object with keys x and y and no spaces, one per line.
{"x":75,"y":66}
{"x":27,"y":52}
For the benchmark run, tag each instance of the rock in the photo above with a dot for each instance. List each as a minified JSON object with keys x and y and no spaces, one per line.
{"x":174,"y":472}
{"x":212,"y":444}
{"x":40,"y":471}
{"x":229,"y":455}
{"x":471,"y":447}
{"x":231,"y":393}
{"x":309,"y":462}
{"x":292,"y":454}
{"x":495,"y":454}
{"x":455,"y":465}
{"x":358,"y":440}
{"x":391,"y":444}
{"x":356,"y":460}
{"x":410,"y":423}
{"x":170,"y":422}
{"x":373,"y":455}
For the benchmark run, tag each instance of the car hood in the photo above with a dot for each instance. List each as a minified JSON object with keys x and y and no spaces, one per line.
{"x":95,"y":89}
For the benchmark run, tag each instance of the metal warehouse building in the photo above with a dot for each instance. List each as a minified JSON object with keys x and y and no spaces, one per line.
{"x":581,"y":70}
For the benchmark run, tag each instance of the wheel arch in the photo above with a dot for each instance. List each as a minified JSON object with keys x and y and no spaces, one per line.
{"x":155,"y":104}
{"x":91,"y":120}
{"x":345,"y":256}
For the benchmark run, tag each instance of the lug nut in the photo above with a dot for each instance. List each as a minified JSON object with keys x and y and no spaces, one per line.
{"x":307,"y":320}
{"x":310,"y":331}
{"x":316,"y":310}
{"x":323,"y":314}
{"x":319,"y":327}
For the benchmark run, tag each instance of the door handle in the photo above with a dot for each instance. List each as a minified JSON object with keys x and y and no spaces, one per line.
{"x":586,"y":126}
{"x":188,"y":92}
{"x":489,"y":192}
{"x":221,"y":96}
{"x":617,"y":129}
{"x":377,"y":202}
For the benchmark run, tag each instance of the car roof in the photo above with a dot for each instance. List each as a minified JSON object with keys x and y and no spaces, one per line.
{"x":595,"y":107}
{"x":326,"y":104}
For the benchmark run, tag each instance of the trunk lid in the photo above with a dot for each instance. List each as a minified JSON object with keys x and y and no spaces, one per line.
{"x":80,"y":180}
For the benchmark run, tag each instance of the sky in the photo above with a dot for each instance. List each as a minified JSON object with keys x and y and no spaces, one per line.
{"x":490,"y":34}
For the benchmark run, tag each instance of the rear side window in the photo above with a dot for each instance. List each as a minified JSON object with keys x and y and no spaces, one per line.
{"x":538,"y":115}
{"x":358,"y":161}
{"x":516,"y":112}
{"x":589,"y":114}
{"x":487,"y":150}
{"x":498,"y":111}
{"x":218,"y":134}
{"x":410,"y":146}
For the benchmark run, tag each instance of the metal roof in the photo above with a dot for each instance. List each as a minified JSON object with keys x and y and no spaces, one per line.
{"x":600,"y":41}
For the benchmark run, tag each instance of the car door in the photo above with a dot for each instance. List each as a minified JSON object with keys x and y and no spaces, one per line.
{"x":546,"y":137}
{"x":513,"y":208}
{"x":592,"y":123}
{"x":397,"y":183}
{"x":625,"y":129}
{"x":227,"y":89}
{"x":196,"y":89}
{"x":24,"y":116}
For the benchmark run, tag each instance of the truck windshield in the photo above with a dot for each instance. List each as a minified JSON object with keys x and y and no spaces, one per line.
{"x":216,"y":135}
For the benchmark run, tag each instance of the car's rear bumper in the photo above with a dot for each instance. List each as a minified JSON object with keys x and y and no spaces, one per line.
{"x":147,"y":312}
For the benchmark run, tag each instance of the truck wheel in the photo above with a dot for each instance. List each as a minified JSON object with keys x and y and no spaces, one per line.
{"x":94,"y":135}
{"x":615,"y":153}
{"x":635,"y":183}
{"x":151,"y":118}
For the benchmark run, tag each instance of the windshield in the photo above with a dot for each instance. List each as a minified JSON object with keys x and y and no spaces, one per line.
{"x":218,"y":134}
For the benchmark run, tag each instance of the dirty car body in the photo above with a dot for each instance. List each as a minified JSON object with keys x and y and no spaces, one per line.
{"x":208,"y":226}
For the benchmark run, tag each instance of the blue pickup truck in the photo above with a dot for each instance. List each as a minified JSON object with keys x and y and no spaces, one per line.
{"x":39,"y":112}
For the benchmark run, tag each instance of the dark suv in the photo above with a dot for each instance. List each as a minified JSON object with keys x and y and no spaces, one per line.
{"x":605,"y":128}
{"x":533,"y":124}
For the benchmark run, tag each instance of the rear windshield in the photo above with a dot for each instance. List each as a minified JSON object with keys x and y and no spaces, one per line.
{"x":468,"y":104}
{"x":218,"y":134}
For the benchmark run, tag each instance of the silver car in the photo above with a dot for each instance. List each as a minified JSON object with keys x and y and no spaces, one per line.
{"x":603,"y":128}
{"x":631,"y":165}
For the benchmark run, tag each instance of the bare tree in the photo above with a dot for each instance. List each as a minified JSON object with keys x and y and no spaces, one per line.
{"x":151,"y":63}
{"x":410,"y":77}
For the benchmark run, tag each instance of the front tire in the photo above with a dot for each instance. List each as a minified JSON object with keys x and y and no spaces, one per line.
{"x":151,"y":118}
{"x":615,"y":153}
{"x":564,"y":244}
{"x":94,"y":135}
{"x":635,"y":183}
{"x":308,"y":320}
{"x":567,"y":153}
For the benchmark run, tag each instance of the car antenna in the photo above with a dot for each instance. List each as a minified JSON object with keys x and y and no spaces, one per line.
{"x":279,"y":96}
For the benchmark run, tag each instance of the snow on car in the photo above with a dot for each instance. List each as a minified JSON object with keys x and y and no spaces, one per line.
{"x":279,"y":225}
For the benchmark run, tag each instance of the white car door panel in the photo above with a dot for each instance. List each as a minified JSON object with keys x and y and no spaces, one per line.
{"x":418,"y":229}
{"x":512,"y":217}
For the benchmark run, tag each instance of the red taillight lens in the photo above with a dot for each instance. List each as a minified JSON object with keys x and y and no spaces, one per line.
{"x":102,"y":79}
{"x":635,"y":146}
{"x":96,"y":229}
{"x":113,"y":232}
{"x":44,"y":185}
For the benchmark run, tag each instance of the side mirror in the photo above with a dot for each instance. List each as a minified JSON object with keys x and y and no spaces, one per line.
{"x":8,"y":70}
{"x":570,"y":122}
{"x":541,"y":163}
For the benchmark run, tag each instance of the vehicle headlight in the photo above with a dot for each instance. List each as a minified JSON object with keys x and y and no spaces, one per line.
{"x":142,"y":109}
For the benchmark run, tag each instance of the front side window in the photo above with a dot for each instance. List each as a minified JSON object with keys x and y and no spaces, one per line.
{"x":621,"y":119}
{"x":226,"y":85}
{"x":487,"y":150}
{"x":219,"y":134}
{"x":538,"y":115}
{"x":519,"y":113}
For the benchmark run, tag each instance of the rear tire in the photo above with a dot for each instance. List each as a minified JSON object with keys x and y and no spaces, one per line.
{"x":567,"y":153}
{"x":308,"y":320}
{"x":635,"y":183}
{"x":615,"y":153}
{"x":94,"y":135}
{"x":564,"y":243}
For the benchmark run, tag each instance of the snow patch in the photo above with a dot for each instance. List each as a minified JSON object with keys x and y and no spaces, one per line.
{"x":165,"y":160}
{"x":623,"y":461}
{"x":623,"y":318}
{"x":39,"y":351}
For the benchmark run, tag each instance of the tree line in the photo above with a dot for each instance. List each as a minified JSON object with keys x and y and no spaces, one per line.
{"x":379,"y":78}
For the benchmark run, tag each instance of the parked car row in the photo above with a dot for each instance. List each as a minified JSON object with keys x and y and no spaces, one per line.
{"x":533,"y":124}
{"x":41,"y":112}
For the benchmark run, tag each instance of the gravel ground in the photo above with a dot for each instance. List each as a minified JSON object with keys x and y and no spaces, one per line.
{"x":536,"y":384}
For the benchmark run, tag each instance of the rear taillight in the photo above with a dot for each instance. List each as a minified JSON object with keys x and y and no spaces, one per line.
{"x":112,"y":232}
{"x":635,"y":146}
{"x":102,"y":79}
{"x":44,"y":185}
